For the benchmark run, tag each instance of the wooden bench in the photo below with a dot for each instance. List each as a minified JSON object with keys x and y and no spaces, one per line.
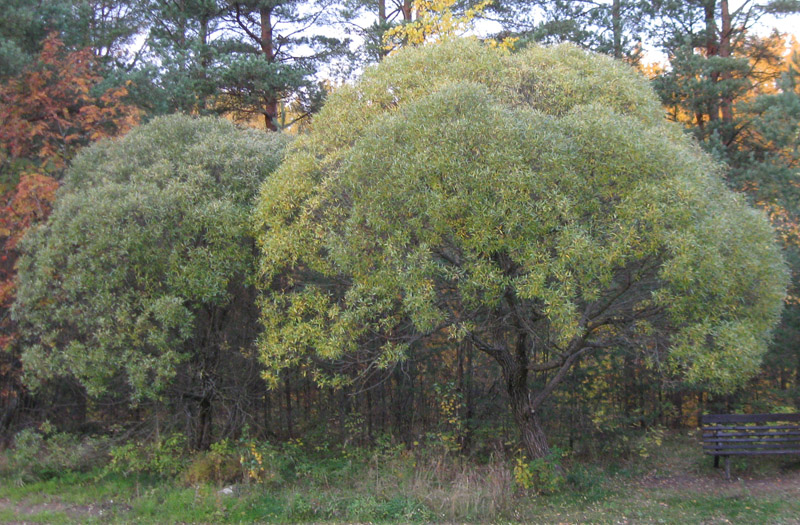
{"x":729,"y":435}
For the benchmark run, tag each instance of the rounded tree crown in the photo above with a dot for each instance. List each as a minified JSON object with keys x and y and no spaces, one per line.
{"x":457,"y":188}
{"x":148,"y":232}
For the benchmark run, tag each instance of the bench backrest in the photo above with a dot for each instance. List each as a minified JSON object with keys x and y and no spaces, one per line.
{"x":751,"y":434}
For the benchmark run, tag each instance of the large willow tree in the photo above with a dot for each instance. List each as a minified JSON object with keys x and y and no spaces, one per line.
{"x":536,"y":204}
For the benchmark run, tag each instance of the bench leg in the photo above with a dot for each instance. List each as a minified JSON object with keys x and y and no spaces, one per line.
{"x":716,"y":461}
{"x":728,"y":468}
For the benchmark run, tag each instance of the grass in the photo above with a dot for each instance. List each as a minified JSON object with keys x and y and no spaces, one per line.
{"x":675,"y":483}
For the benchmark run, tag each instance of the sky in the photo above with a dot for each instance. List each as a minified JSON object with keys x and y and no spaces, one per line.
{"x":790,"y":25}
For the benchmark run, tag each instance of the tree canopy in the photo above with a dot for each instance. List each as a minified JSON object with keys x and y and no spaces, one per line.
{"x":536,"y":204}
{"x":144,"y":269}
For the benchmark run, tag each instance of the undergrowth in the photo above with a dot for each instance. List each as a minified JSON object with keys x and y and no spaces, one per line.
{"x":248,"y":481}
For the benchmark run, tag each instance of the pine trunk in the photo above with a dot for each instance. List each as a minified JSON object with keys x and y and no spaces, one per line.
{"x":726,"y":104}
{"x":407,"y":10}
{"x":616,"y":27}
{"x":712,"y":50}
{"x":268,"y":48}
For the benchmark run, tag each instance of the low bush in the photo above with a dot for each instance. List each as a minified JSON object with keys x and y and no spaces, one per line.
{"x":164,"y":457}
{"x":40,"y":454}
{"x":542,"y":475}
{"x":221,"y":464}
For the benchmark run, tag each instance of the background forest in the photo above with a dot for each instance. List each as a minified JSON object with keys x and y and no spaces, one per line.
{"x":187,"y":374}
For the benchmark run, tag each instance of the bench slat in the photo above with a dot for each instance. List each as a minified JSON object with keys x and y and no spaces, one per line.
{"x":721,"y":439}
{"x":751,"y":452}
{"x":760,"y":446}
{"x":749,"y":418}
{"x":712,"y":435}
{"x":756,"y":427}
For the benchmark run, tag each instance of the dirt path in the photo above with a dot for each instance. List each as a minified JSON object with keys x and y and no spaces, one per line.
{"x":786,"y":481}
{"x":24,"y":510}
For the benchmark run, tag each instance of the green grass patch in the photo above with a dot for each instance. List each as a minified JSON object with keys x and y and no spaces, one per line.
{"x":674,"y":483}
{"x":72,"y":487}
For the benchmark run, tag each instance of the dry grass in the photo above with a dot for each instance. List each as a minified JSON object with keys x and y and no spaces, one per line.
{"x":674,"y":484}
{"x":454,"y":490}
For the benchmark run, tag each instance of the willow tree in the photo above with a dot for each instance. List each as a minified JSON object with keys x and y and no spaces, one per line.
{"x":140,"y":284}
{"x":536,"y":204}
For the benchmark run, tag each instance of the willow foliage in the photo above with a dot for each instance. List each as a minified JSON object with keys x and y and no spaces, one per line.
{"x":146,"y":255}
{"x":536,"y":201}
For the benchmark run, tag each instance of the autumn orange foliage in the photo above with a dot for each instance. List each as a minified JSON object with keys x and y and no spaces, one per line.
{"x":29,"y":203}
{"x":49,"y":111}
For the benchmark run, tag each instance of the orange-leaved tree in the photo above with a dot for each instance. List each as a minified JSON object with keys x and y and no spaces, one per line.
{"x":48,"y":112}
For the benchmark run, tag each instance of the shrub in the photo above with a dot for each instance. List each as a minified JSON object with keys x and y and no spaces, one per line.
{"x":542,"y":475}
{"x":43,"y":454}
{"x":164,"y":457}
{"x":220,"y":464}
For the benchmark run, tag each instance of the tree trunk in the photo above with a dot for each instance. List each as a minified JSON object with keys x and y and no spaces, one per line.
{"x":205,"y":61}
{"x":383,"y":410}
{"x":287,"y":391}
{"x":267,"y":413}
{"x":726,"y":102}
{"x":381,"y":12}
{"x":616,"y":27}
{"x":515,"y":372}
{"x":7,"y":416}
{"x":370,"y":430}
{"x":677,"y":400}
{"x":469,"y":404}
{"x":203,"y":438}
{"x":712,"y":49}
{"x":404,"y":402}
{"x":797,"y":390}
{"x":406,"y":9}
{"x":267,"y":47}
{"x":530,"y":428}
{"x":461,"y":389}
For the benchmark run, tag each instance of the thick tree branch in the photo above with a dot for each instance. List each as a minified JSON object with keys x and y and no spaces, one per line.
{"x":244,"y":27}
{"x":499,"y":353}
{"x":562,"y":372}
